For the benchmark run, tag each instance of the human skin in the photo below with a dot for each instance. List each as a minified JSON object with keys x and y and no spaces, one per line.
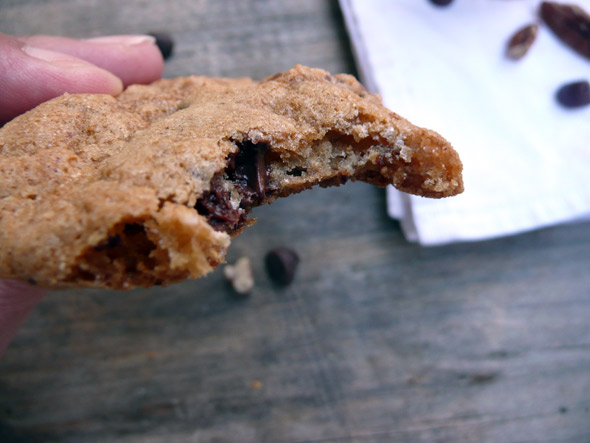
{"x":34,"y":69}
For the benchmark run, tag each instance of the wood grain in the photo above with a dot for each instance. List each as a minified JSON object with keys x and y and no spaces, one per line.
{"x":377,"y":340}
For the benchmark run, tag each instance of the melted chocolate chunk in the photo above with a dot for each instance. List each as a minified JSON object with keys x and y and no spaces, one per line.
{"x":247,"y":170}
{"x":216,"y":206}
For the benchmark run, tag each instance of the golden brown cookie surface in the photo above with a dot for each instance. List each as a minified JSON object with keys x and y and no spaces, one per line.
{"x":149,"y":187}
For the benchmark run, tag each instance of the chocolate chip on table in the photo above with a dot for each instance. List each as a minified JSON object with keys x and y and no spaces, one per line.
{"x":281,"y":264}
{"x":520,"y":43}
{"x":574,"y":95}
{"x":441,"y":2}
{"x":164,"y":42}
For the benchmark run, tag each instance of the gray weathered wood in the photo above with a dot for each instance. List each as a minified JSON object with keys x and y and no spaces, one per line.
{"x":377,"y":340}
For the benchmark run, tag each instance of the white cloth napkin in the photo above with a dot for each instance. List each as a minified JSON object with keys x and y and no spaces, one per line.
{"x":526,"y":159}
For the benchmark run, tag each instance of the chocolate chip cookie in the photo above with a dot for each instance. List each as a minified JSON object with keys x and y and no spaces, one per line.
{"x":149,"y":187}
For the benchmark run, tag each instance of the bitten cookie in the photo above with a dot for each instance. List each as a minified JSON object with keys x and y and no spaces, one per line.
{"x":148,"y":188}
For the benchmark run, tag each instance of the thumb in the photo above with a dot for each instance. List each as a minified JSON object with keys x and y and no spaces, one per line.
{"x":31,"y":75}
{"x":17,"y":300}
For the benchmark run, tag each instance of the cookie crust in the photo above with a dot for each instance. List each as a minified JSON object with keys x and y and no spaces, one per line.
{"x":105,"y":192}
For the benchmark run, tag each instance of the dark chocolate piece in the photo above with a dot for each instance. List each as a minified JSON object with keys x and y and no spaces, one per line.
{"x":574,"y":95}
{"x":164,"y":42}
{"x":246,"y":169}
{"x":215,"y":205}
{"x":441,"y":2}
{"x":281,"y":264}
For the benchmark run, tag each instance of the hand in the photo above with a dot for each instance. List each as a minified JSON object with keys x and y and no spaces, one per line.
{"x":37,"y":68}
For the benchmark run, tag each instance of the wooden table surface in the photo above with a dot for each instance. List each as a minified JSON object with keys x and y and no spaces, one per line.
{"x":377,"y":340}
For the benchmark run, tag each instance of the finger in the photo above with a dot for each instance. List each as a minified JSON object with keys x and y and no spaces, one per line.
{"x":17,"y":300}
{"x":132,"y":58}
{"x":30,"y":76}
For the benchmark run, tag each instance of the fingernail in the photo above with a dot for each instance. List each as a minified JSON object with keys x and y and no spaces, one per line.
{"x":56,"y":58}
{"x":110,"y":83}
{"x":47,"y":55}
{"x":127,"y":40}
